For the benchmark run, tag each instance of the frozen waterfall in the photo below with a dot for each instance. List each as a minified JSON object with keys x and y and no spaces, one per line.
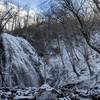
{"x":21,"y":65}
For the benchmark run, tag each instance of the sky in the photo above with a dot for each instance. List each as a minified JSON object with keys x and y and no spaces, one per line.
{"x":31,"y":3}
{"x":35,"y":4}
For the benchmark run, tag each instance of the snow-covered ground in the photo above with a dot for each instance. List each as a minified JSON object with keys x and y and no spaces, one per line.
{"x":66,"y":75}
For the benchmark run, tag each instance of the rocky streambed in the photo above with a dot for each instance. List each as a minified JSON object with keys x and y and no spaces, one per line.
{"x":46,"y":92}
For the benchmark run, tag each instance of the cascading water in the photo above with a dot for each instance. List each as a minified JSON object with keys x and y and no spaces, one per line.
{"x":21,"y":65}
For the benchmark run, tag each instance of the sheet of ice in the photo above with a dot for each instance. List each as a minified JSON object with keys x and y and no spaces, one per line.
{"x":21,"y":62}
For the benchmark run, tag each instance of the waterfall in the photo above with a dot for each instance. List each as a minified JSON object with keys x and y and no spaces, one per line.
{"x":22,"y":65}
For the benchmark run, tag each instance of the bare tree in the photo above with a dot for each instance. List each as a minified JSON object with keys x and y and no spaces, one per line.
{"x":97,"y":3}
{"x":4,"y":19}
{"x":70,"y":5}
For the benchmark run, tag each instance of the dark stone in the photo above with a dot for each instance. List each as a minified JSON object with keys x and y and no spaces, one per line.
{"x":69,"y":85}
{"x":13,"y":91}
{"x":6,"y":89}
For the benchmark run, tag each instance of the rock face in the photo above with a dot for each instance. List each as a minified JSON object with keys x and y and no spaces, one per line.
{"x":20,"y":63}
